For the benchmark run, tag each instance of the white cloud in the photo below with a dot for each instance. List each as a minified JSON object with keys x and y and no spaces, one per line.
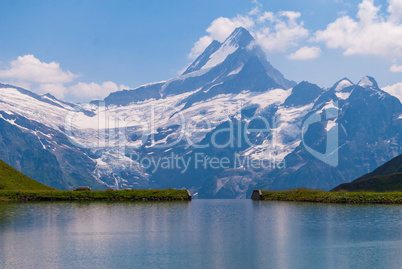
{"x":395,"y":90}
{"x":371,"y":33}
{"x":222,"y":27}
{"x":219,"y":30}
{"x":58,"y":90}
{"x":200,"y":46}
{"x":272,"y":31}
{"x":342,"y":13}
{"x":279,"y":32}
{"x":30,"y":73}
{"x":395,"y":10}
{"x":305,"y":53}
{"x":255,"y":10}
{"x":30,"y":69}
{"x":94,"y":90}
{"x":395,"y":68}
{"x":368,"y":12}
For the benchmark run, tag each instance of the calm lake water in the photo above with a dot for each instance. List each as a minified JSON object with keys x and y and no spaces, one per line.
{"x":200,"y":234}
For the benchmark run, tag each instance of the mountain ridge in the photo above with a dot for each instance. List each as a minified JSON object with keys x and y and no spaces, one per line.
{"x":387,"y":177}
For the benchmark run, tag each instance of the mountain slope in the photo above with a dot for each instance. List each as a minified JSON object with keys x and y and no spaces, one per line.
{"x":369,"y":133}
{"x":387,"y":177}
{"x":11,"y":179}
{"x":394,"y":166}
{"x":33,"y":140}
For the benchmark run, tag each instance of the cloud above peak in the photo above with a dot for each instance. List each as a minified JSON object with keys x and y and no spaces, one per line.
{"x":272,"y":31}
{"x":222,"y":27}
{"x":281,"y":31}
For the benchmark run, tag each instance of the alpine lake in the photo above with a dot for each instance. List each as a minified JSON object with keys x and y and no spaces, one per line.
{"x":199,"y":234}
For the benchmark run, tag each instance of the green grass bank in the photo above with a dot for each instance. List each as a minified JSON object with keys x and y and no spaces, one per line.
{"x":342,"y":197}
{"x":12,"y":179}
{"x":121,"y":195}
{"x":15,"y":186}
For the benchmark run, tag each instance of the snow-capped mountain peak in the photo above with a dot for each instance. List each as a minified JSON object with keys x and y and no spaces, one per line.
{"x":217,"y":52}
{"x":220,"y":55}
{"x":368,"y":82}
{"x":342,"y":84}
{"x":204,"y":57}
{"x":240,"y":37}
{"x":343,"y":88}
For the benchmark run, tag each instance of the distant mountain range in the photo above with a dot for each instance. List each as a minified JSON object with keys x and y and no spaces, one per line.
{"x":387,"y":177}
{"x":230,"y":105}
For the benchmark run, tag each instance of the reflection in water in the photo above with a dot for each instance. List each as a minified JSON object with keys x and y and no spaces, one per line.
{"x":200,"y":234}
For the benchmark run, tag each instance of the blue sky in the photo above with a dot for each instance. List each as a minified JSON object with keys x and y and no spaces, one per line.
{"x":79,"y":50}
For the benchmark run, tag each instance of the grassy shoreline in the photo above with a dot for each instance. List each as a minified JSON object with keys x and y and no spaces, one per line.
{"x":122,"y":195}
{"x":342,"y":197}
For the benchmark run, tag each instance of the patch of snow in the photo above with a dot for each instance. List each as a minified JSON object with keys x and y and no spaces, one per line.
{"x":344,"y":129}
{"x":56,"y":102}
{"x":220,"y":55}
{"x":13,"y":123}
{"x":44,"y":147}
{"x":328,"y":105}
{"x":286,"y":134}
{"x":263,"y":100}
{"x":182,"y":77}
{"x":365,"y":82}
{"x":207,"y":90}
{"x":197,"y":73}
{"x":234,"y":72}
{"x":342,"y":95}
{"x":24,"y":105}
{"x":330,"y":124}
{"x":342,"y":85}
{"x":150,"y":84}
{"x":381,"y":94}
